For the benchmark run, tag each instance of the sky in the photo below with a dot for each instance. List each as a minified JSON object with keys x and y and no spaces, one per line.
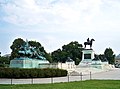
{"x":55,"y":23}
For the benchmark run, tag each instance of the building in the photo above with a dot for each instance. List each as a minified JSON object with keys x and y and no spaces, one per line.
{"x":117,"y":61}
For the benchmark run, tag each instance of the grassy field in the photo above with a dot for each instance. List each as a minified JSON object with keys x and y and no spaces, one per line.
{"x":89,"y":84}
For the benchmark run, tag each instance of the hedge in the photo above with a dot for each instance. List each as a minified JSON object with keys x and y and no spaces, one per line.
{"x":31,"y":73}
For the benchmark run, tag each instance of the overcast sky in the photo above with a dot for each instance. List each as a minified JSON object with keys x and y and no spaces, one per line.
{"x":54,"y":23}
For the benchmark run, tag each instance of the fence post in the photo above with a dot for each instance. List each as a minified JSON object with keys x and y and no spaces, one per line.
{"x":81,"y":76}
{"x":90,"y":76}
{"x":61,"y":65}
{"x":68,"y":78}
{"x":11,"y":81}
{"x":51,"y":79}
{"x":32,"y":80}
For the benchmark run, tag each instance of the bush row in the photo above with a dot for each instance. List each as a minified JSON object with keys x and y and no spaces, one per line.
{"x":31,"y":73}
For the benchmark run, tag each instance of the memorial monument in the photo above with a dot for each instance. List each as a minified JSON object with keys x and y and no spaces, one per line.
{"x":89,"y":59}
{"x":87,"y":54}
{"x":90,"y":62}
{"x":30,"y":57}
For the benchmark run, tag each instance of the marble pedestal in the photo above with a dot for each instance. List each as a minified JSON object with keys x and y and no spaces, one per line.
{"x":87,"y":57}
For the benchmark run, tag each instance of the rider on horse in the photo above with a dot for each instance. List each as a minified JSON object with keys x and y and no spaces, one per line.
{"x":89,"y":42}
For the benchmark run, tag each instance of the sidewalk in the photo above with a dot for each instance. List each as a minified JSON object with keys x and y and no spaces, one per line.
{"x":113,"y":74}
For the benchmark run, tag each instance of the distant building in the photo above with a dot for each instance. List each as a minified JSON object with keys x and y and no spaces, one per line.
{"x":117,"y":61}
{"x":7,"y":55}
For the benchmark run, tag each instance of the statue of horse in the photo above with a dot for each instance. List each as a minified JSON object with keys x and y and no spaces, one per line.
{"x":89,"y":43}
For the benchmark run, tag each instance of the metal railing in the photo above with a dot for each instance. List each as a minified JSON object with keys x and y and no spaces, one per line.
{"x":67,"y":78}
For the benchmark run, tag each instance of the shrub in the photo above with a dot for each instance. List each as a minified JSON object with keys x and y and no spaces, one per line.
{"x":31,"y":73}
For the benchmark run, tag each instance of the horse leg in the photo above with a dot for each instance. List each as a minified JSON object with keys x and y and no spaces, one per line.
{"x":90,"y":46}
{"x":85,"y":45}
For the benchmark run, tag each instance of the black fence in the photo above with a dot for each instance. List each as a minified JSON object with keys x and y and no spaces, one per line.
{"x":68,"y":78}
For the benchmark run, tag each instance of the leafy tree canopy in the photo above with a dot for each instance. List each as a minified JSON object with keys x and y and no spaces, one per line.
{"x":4,"y":61}
{"x":15,"y":47}
{"x":109,"y":54}
{"x":72,"y":50}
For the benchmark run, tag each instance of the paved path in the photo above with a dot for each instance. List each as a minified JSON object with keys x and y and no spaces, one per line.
{"x":112,"y":74}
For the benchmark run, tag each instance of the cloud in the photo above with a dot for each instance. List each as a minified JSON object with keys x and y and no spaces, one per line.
{"x":32,"y":12}
{"x":57,"y":22}
{"x":23,"y":12}
{"x":48,"y":16}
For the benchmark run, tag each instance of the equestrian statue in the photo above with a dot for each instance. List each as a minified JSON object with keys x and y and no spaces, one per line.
{"x":89,"y":42}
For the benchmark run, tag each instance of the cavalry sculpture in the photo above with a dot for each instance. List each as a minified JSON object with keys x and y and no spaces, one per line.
{"x":31,"y":52}
{"x":89,"y":42}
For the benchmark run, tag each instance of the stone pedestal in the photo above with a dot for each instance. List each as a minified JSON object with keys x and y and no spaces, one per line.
{"x":87,"y":57}
{"x":27,"y":63}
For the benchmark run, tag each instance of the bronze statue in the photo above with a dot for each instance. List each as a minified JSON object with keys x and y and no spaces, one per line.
{"x":89,"y":42}
{"x":31,"y":52}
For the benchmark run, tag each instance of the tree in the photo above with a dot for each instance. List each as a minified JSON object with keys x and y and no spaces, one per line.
{"x":56,"y":55}
{"x":109,"y":54}
{"x":35,"y":44}
{"x":4,"y":61}
{"x":48,"y":57}
{"x":15,"y":47}
{"x":40,"y":48}
{"x":72,"y":50}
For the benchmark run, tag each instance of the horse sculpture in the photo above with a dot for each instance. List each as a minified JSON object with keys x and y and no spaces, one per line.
{"x":89,"y":42}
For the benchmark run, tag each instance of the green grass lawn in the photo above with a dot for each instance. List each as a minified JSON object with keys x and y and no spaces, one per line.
{"x":89,"y":84}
